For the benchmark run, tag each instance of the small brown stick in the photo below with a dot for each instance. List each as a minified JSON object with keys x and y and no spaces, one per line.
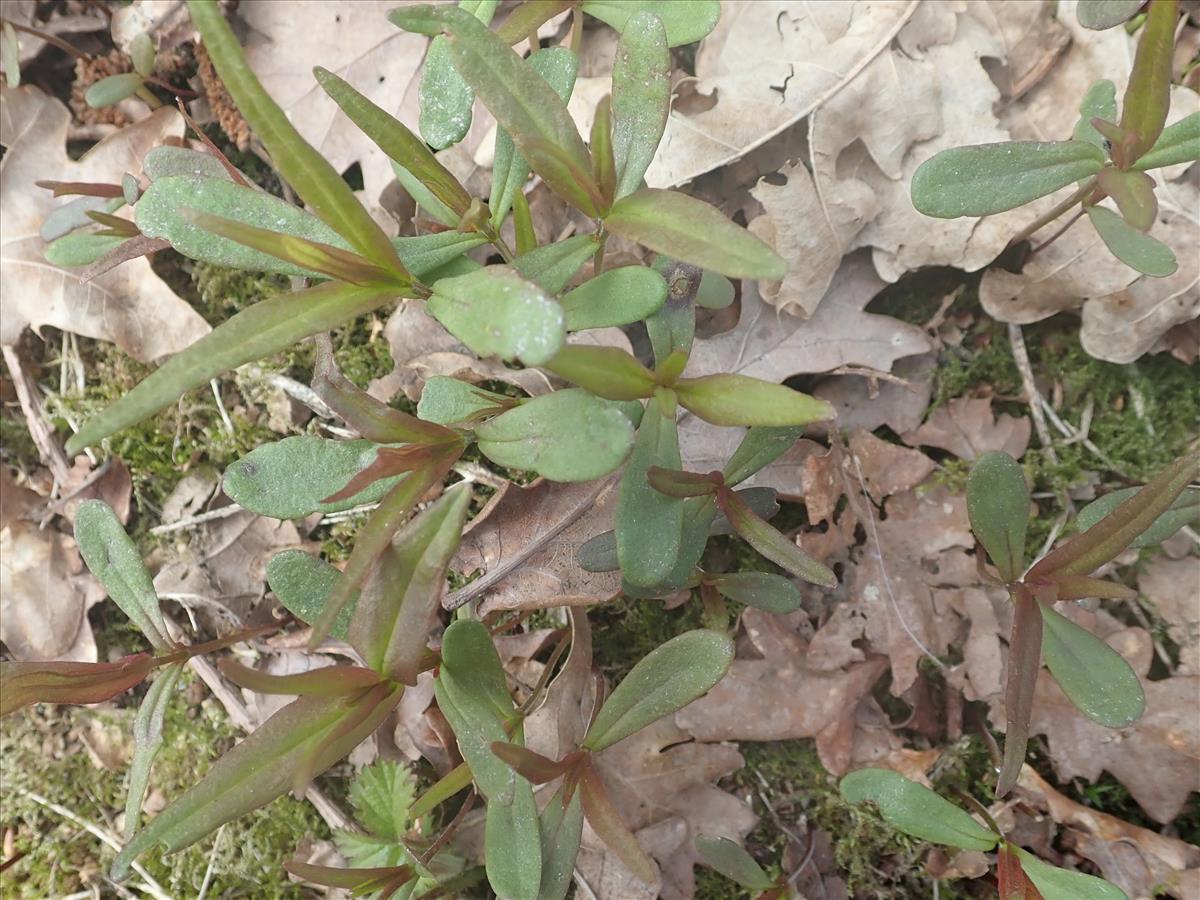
{"x":448,"y":832}
{"x":30,"y":398}
{"x":1032,"y":396}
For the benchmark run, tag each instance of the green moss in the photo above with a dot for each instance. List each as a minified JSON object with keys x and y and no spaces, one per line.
{"x":42,"y":754}
{"x":711,"y":885}
{"x":626,"y":630}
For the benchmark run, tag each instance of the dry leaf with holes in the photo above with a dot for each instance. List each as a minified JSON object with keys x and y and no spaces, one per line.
{"x":967,"y":428}
{"x":128,"y":305}
{"x":1169,"y":587}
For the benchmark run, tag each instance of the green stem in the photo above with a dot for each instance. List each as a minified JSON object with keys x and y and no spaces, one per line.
{"x":1044,"y":220}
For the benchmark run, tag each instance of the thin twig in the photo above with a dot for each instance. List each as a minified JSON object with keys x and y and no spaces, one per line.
{"x":1032,"y":396}
{"x":223,"y":513}
{"x":49,"y":449}
{"x":151,"y":887}
{"x":225,"y":420}
{"x":212,"y":858}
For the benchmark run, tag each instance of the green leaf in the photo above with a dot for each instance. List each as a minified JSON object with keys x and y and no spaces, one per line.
{"x":1095,"y":678}
{"x":733,"y":862}
{"x":1184,"y":511}
{"x":616,"y":297}
{"x":1179,"y":143}
{"x":1100,"y":102}
{"x":662,"y":682}
{"x":446,"y":99}
{"x":685,"y":23}
{"x":1148,"y":93}
{"x":429,"y":204}
{"x":496,"y":312}
{"x":694,"y":232}
{"x":672,"y":330}
{"x":1133,"y":193}
{"x":1103,"y":541}
{"x":400,"y":144}
{"x":114,"y":559}
{"x":1024,"y":663}
{"x":742,"y":400}
{"x":510,"y":170}
{"x":448,"y":401}
{"x":521,"y":100}
{"x":641,"y":97}
{"x":761,"y":446}
{"x":716,"y":291}
{"x":552,"y":266}
{"x":1138,"y":251}
{"x":257,"y":331}
{"x":401,"y":599}
{"x":308,"y":735}
{"x":771,"y":544}
{"x":382,"y":795}
{"x":998,"y":507}
{"x":317,"y":182}
{"x":604,"y":167}
{"x":74,"y":214}
{"x":288,"y":479}
{"x":568,"y":435}
{"x":562,"y":828}
{"x":426,"y":253}
{"x":1101,"y":14}
{"x":990,"y":178}
{"x":80,"y":248}
{"x":112,"y":89}
{"x":158,"y":216}
{"x":916,"y":810}
{"x":649,"y":525}
{"x":1054,"y":883}
{"x":604,"y":371}
{"x":605,"y":819}
{"x":141,"y":52}
{"x":52,"y":681}
{"x":762,"y":590}
{"x":302,"y":583}
{"x":166,"y":161}
{"x":147,"y":741}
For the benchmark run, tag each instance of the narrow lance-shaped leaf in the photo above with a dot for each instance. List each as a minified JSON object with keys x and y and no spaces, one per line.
{"x":147,"y":738}
{"x":665,"y":680}
{"x":990,"y":178}
{"x":674,"y":483}
{"x":733,"y":862}
{"x":998,"y":508}
{"x":446,"y":99}
{"x":113,"y":89}
{"x":1024,"y":660}
{"x":312,"y":176}
{"x":606,"y":821}
{"x":1095,"y":678}
{"x":561,"y":828}
{"x":762,"y":590}
{"x":325,"y":681}
{"x":641,"y":98}
{"x":1103,"y":541}
{"x":600,"y":145}
{"x":259,"y":330}
{"x":692,"y":231}
{"x":528,"y":17}
{"x":771,"y":544}
{"x":1148,"y":94}
{"x":1100,"y":102}
{"x":314,"y":256}
{"x":742,"y":400}
{"x":400,"y":144}
{"x":1010,"y":877}
{"x":605,"y":371}
{"x":568,"y":435}
{"x":685,"y":23}
{"x":262,"y":768}
{"x":496,"y":312}
{"x":1184,"y":511}
{"x":916,"y":810}
{"x":649,"y":525}
{"x":399,"y":604}
{"x":1138,"y":251}
{"x":1134,"y":195}
{"x":553,"y":266}
{"x":1179,"y":143}
{"x":510,"y":170}
{"x":1054,"y":883}
{"x":114,"y":559}
{"x":761,"y":446}
{"x":431,"y":254}
{"x":361,"y":881}
{"x":1079,"y":587}
{"x":26,"y":683}
{"x":522,"y":102}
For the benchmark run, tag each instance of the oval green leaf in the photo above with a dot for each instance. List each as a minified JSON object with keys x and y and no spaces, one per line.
{"x":1100,"y":102}
{"x":496,"y":312}
{"x":1101,"y":14}
{"x":641,"y":98}
{"x":448,"y":401}
{"x":762,"y":590}
{"x":742,"y":400}
{"x":649,"y":525}
{"x":1138,"y":251}
{"x":81,"y":248}
{"x":446,"y":99}
{"x":733,"y":862}
{"x":991,"y":178}
{"x":167,"y":161}
{"x":685,"y":22}
{"x":692,"y":231}
{"x":1094,"y":676}
{"x":1054,"y":883}
{"x":302,"y":582}
{"x":607,"y":372}
{"x":998,"y":507}
{"x":568,"y":435}
{"x":667,"y":679}
{"x":916,"y":810}
{"x":112,"y":89}
{"x":616,"y":297}
{"x":552,"y":266}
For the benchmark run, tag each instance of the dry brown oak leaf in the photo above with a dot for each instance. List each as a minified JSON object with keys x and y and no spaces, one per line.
{"x":967,"y":427}
{"x":129,"y":305}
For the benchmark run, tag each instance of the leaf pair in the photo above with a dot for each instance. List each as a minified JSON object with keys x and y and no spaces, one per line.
{"x":917,"y":811}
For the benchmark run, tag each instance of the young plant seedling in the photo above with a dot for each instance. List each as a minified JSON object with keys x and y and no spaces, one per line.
{"x":919,"y":812}
{"x":1104,"y":158}
{"x":1095,"y":678}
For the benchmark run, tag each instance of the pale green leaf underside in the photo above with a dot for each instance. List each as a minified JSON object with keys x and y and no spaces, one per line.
{"x":302,"y":583}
